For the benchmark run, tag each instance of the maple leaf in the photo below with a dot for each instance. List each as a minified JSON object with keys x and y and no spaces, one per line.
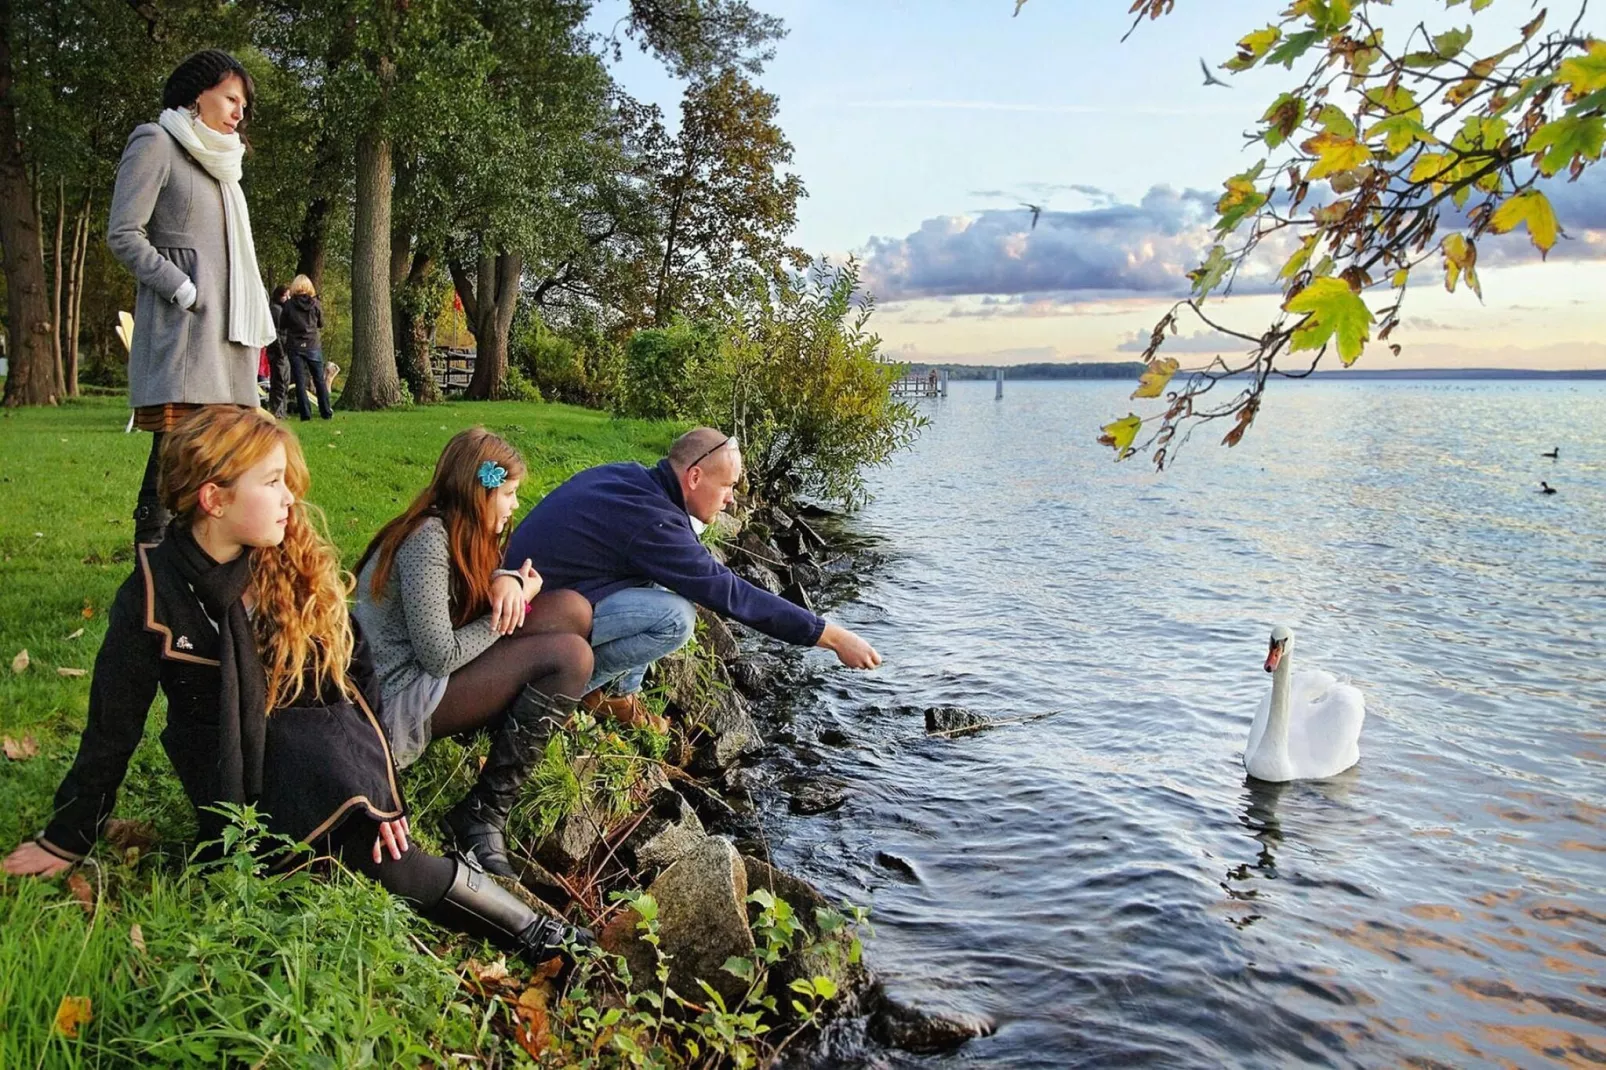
{"x":1334,"y":153}
{"x":1531,"y":209}
{"x":1333,"y":312}
{"x":1559,"y":141}
{"x":1153,"y":381}
{"x":1120,"y":433}
{"x":72,"y":1012}
{"x":1208,"y":276}
{"x":1584,"y":74}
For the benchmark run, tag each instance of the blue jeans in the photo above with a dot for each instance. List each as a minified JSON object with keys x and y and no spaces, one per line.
{"x":631,"y":629}
{"x":307,"y":367}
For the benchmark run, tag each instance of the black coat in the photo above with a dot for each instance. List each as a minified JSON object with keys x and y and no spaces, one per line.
{"x":324,"y":760}
{"x":300,"y":323}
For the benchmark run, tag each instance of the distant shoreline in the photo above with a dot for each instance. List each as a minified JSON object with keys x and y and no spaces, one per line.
{"x":1131,"y":370}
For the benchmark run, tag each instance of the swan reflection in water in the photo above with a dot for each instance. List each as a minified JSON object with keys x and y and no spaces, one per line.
{"x":1326,"y":807}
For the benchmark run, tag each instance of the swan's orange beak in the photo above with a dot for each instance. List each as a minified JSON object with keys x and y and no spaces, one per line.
{"x":1273,"y":656}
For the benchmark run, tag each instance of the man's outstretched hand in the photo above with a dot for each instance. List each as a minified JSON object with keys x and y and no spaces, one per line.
{"x":849,"y":649}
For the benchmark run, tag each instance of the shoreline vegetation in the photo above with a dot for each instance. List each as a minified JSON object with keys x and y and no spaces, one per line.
{"x":1133,"y":369}
{"x":139,"y":958}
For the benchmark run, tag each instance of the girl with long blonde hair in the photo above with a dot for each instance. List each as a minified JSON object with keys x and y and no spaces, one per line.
{"x":463,"y":645}
{"x":239,"y":616}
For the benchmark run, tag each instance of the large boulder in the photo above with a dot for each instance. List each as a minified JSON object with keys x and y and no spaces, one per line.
{"x":702,"y":921}
{"x":717,"y":634}
{"x":722,"y":730}
{"x":667,"y":831}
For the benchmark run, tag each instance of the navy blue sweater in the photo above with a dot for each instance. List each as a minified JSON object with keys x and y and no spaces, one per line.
{"x":623,"y":525}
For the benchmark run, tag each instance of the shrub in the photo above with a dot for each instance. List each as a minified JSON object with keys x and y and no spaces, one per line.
{"x":675,"y":373}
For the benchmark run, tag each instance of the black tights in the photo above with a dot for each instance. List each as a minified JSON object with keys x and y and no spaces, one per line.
{"x":417,"y":876}
{"x":147,"y":485}
{"x":549,"y":653}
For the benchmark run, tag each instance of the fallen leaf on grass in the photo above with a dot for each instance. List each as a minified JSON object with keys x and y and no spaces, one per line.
{"x":67,"y":670}
{"x":89,"y":609}
{"x":82,"y":891}
{"x":125,"y":834}
{"x":20,"y":750}
{"x":531,"y":1030}
{"x":136,"y":936}
{"x":19,"y":664}
{"x":79,"y":634}
{"x":72,"y":1012}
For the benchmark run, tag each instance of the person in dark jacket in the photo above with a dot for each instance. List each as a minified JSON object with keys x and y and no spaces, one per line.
{"x":278,"y":358}
{"x":239,"y":616}
{"x":621,"y":534}
{"x":180,"y":225}
{"x":301,"y":327}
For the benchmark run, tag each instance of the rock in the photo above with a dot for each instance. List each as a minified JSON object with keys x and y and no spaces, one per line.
{"x":901,"y":866}
{"x":539,"y":880}
{"x":727,"y":731}
{"x":718,"y":634}
{"x":924,"y":1032}
{"x":710,"y":807}
{"x":833,"y":737}
{"x":754,"y":674}
{"x":570,"y":843}
{"x":807,"y":574}
{"x":669,"y":831}
{"x":831,"y":956}
{"x":702,"y":921}
{"x":760,"y":576}
{"x":795,"y":594}
{"x":952,"y":719}
{"x":817,"y":796}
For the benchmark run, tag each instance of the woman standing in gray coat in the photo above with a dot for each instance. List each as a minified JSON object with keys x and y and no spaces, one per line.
{"x":179,"y":224}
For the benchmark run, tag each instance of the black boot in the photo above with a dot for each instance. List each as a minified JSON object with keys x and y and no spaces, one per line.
{"x":476,"y":826}
{"x":150,"y":520}
{"x":475,"y":904}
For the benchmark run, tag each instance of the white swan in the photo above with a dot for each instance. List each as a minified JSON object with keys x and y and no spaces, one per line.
{"x":1309,"y":727}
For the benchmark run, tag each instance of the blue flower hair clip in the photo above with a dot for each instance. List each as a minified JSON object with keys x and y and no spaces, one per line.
{"x":491,"y":475}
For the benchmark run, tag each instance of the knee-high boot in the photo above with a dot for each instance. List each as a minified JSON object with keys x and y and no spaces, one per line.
{"x":476,"y":827}
{"x":475,"y":904}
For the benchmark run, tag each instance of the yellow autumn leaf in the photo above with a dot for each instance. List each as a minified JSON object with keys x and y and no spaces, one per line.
{"x":1333,"y":154}
{"x":1460,"y":258}
{"x":72,"y":1012}
{"x":1120,"y":433}
{"x":1400,"y":278}
{"x":1584,"y":74}
{"x":1532,"y":209}
{"x":1153,"y":381}
{"x":1300,"y":258}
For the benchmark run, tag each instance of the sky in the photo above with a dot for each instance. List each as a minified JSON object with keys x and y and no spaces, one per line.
{"x":920,"y":128}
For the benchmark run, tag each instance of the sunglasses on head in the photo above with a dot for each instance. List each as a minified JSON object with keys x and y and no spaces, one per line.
{"x":701,"y":457}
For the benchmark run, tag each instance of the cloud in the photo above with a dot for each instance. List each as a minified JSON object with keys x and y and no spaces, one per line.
{"x":1197,"y":342}
{"x":1117,"y":250}
{"x":1112,"y":249}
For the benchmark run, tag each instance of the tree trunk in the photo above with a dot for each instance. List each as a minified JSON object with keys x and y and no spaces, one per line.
{"x":75,"y":297}
{"x":661,"y":306}
{"x":372,"y":383}
{"x":312,"y":241}
{"x":490,"y":317}
{"x":58,"y":270}
{"x":31,"y":380}
{"x":412,"y":323}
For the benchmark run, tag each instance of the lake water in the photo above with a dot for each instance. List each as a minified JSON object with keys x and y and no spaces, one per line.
{"x":1104,"y":883}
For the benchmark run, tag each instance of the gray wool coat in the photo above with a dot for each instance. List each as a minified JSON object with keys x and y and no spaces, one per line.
{"x":167,"y":225}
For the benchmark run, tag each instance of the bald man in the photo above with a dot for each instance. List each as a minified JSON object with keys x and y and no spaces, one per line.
{"x":621,"y":534}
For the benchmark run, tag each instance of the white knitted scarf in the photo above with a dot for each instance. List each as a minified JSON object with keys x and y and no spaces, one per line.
{"x":250,"y":322}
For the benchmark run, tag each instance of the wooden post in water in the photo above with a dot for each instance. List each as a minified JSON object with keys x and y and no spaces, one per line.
{"x":944,"y":382}
{"x":998,"y":384}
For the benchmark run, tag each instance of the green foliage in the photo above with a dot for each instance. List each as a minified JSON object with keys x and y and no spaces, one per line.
{"x":579,"y":366}
{"x":674,"y":373}
{"x":809,"y":397}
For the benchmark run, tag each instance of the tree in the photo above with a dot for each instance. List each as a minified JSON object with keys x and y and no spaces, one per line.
{"x":723,"y":199}
{"x":1389,"y":158}
{"x":32,"y":379}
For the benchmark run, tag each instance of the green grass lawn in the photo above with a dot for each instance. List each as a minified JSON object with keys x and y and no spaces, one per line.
{"x":289,"y":974}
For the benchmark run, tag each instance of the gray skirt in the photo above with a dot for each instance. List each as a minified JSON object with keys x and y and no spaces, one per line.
{"x":406,"y":715}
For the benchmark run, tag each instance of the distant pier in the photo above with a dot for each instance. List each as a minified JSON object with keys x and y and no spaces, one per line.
{"x":932,"y":383}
